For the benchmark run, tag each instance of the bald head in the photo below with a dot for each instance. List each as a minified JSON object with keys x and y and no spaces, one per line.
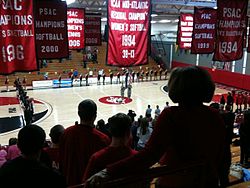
{"x":87,"y":110}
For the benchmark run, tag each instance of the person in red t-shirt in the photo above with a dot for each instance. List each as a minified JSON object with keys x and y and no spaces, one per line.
{"x":53,"y":151}
{"x":118,"y":149}
{"x":79,"y":142}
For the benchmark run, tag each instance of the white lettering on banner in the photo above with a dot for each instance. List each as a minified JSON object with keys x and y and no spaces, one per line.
{"x":137,"y":27}
{"x":75,"y":27}
{"x":189,"y":18}
{"x":74,"y":43}
{"x":206,"y":16}
{"x":50,"y":24}
{"x":72,"y":13}
{"x":186,"y":34}
{"x":49,"y":49}
{"x":232,"y":12}
{"x":17,"y":33}
{"x":115,"y":3}
{"x":49,"y":36}
{"x":118,"y":15}
{"x":128,"y":54}
{"x":203,"y":36}
{"x":74,"y":34}
{"x":187,"y":29}
{"x":231,"y":24}
{"x":75,"y":21}
{"x":91,"y":40}
{"x":186,"y":45}
{"x":186,"y":39}
{"x":203,"y":45}
{"x":228,"y":47}
{"x":47,"y":11}
{"x":11,"y":4}
{"x":11,"y":52}
{"x":135,"y":4}
{"x":204,"y":26}
{"x":16,"y":19}
{"x":137,"y":16}
{"x":117,"y":26}
{"x":128,"y":40}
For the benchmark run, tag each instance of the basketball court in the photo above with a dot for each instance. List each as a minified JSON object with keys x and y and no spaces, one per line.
{"x":59,"y":106}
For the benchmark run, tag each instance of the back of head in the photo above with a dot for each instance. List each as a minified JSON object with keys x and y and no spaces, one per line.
{"x":12,"y":141}
{"x":31,"y":139}
{"x":144,"y":125}
{"x":55,"y":133}
{"x":87,"y":110}
{"x":190,"y":85}
{"x":120,"y":125}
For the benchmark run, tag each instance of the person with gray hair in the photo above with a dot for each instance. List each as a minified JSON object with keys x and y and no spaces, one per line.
{"x":79,"y":142}
{"x":182,"y":134}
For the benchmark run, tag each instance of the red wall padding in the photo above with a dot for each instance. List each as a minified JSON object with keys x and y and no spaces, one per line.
{"x":224,"y":77}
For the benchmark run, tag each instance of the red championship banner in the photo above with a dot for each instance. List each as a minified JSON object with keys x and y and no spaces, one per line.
{"x":76,"y":28}
{"x":17,"y":37}
{"x":51,"y":29}
{"x":93,"y":36}
{"x":185,"y":28}
{"x":128,"y":24}
{"x":204,"y":30}
{"x":231,"y":24}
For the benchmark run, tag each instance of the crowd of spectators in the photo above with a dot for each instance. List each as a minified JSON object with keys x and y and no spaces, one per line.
{"x":126,"y":145}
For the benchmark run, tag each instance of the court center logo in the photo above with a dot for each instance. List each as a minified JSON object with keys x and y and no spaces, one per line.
{"x":115,"y":100}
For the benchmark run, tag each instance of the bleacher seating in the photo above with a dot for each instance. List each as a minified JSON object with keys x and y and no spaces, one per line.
{"x":55,"y":67}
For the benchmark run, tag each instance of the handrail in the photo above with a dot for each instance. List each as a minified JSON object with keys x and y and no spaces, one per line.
{"x":152,"y":173}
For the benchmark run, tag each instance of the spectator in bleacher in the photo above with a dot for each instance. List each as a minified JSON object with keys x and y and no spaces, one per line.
{"x":143,"y":133}
{"x":13,"y":151}
{"x":79,"y":142}
{"x":239,"y":101}
{"x":27,"y":170}
{"x":53,"y":150}
{"x":118,"y":149}
{"x":245,"y":100}
{"x":245,"y":139}
{"x":167,"y":105}
{"x":182,"y":133}
{"x":102,"y":127}
{"x":3,"y":155}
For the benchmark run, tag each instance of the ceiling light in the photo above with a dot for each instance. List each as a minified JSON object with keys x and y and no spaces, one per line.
{"x":165,"y":21}
{"x":104,"y":19}
{"x":70,"y":1}
{"x":154,"y":15}
{"x":153,"y":21}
